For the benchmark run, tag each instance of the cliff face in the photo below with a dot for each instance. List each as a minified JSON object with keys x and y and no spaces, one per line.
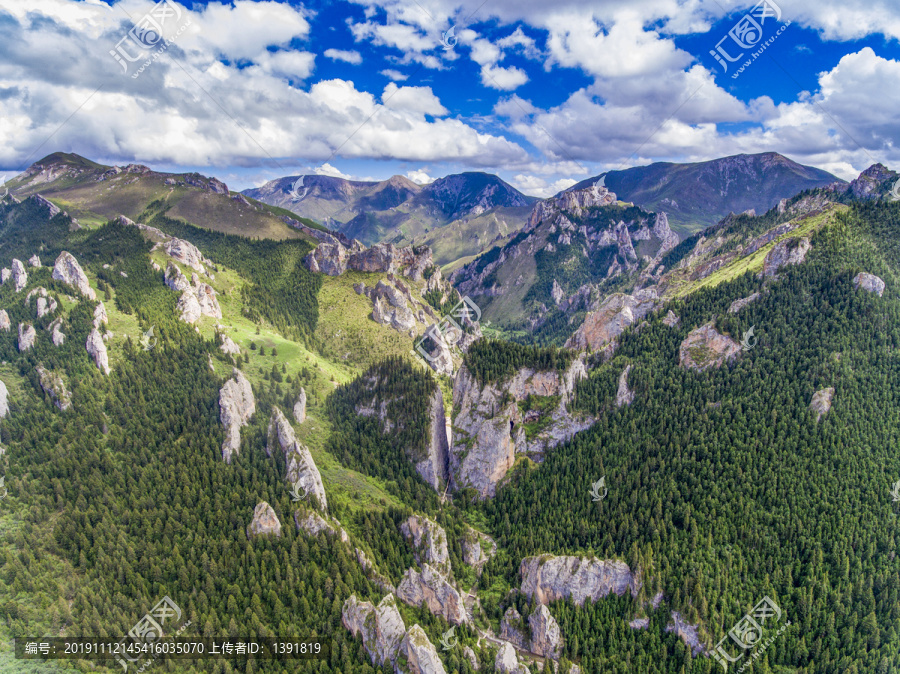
{"x":429,"y":540}
{"x":301,"y":469}
{"x":236,"y":406}
{"x":548,"y":578}
{"x":265,"y":521}
{"x":704,"y":348}
{"x":434,"y":467}
{"x":605,"y":322}
{"x":431,"y":589}
{"x":488,"y":433}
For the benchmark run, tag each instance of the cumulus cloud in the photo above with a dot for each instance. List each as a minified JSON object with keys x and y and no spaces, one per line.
{"x":536,"y":186}
{"x":417,"y":100}
{"x":352,"y":57}
{"x":420,"y":177}
{"x":327,"y":169}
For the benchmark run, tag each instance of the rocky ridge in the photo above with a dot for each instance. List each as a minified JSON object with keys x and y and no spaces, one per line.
{"x":301,"y":469}
{"x":236,"y":406}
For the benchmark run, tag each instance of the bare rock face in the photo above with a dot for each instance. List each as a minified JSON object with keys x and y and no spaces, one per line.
{"x":639,"y":623}
{"x":471,"y":657}
{"x":557,"y":294}
{"x":686,"y":632}
{"x":185,"y":252}
{"x":786,"y":252}
{"x":227,"y":345}
{"x":418,"y":655}
{"x":5,"y":274}
{"x":265,"y":521}
{"x":100,"y":315}
{"x":34,"y":261}
{"x":54,"y":386}
{"x":507,"y":662}
{"x":56,"y":334}
{"x":189,"y":307}
{"x":300,"y":406}
{"x":26,"y":336}
{"x":433,"y":468}
{"x":869,"y":282}
{"x":97,"y":350}
{"x":390,"y":308}
{"x":67,"y":270}
{"x":334,"y":258}
{"x":301,"y":469}
{"x":4,"y":400}
{"x":671,"y":320}
{"x":614,"y":315}
{"x":175,"y":280}
{"x":546,"y":637}
{"x":489,"y":427}
{"x":704,"y":347}
{"x":477,"y":548}
{"x":737,"y":305}
{"x":624,"y":396}
{"x":314,"y":524}
{"x":382,"y":629}
{"x":429,"y":540}
{"x":328,"y":258}
{"x":19,"y":275}
{"x":431,"y":589}
{"x":46,"y":306}
{"x":52,"y":209}
{"x":548,"y":578}
{"x":821,"y":402}
{"x":512,"y":628}
{"x":4,"y":321}
{"x":236,"y":406}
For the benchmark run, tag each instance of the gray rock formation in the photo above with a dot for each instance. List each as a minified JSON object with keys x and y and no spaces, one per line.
{"x":639,"y":623}
{"x":471,"y":657}
{"x":56,"y":334}
{"x":381,"y":628}
{"x":185,"y":252}
{"x":301,"y":469}
{"x":335,"y":258}
{"x":52,"y":209}
{"x":507,"y":662}
{"x":557,"y":294}
{"x":390,"y":308}
{"x":821,"y":402}
{"x":869,"y":282}
{"x":737,"y":305}
{"x":174,"y":279}
{"x":227,"y":345}
{"x":206,"y":297}
{"x":236,"y":406}
{"x":328,"y":258}
{"x":488,"y":430}
{"x":686,"y":632}
{"x":34,"y":261}
{"x":548,"y":578}
{"x":19,"y":275}
{"x":546,"y":637}
{"x":786,"y":252}
{"x":188,"y":307}
{"x":5,"y":274}
{"x":477,"y":548}
{"x":26,"y":336}
{"x":430,"y":589}
{"x":434,"y":467}
{"x":513,"y":629}
{"x":4,"y":400}
{"x":429,"y":542}
{"x":265,"y":521}
{"x":624,"y":395}
{"x":100,"y":315}
{"x":418,"y":655}
{"x":46,"y":306}
{"x":313,"y":524}
{"x":611,"y":318}
{"x":4,"y":321}
{"x":300,"y":406}
{"x":54,"y":386}
{"x":671,"y":320}
{"x":67,"y":270}
{"x":704,"y":348}
{"x":97,"y":350}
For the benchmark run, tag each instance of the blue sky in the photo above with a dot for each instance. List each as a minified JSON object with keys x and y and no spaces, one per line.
{"x":543,"y":94}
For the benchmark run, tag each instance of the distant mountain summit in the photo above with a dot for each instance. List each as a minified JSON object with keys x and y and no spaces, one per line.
{"x":695,"y":196}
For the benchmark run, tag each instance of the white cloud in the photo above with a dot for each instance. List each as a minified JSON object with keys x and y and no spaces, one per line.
{"x":352,"y":57}
{"x":395,"y":75}
{"x":419,"y":100}
{"x":420,"y":177}
{"x":536,"y":186}
{"x":327,"y":169}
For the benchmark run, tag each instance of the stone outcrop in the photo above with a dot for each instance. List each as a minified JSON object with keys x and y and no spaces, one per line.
{"x":546,"y":637}
{"x":434,"y":467}
{"x":198,"y":300}
{"x":97,"y":350}
{"x":176,"y":280}
{"x":54,"y":386}
{"x":611,"y":318}
{"x":869,"y":282}
{"x":4,"y":400}
{"x":46,"y":306}
{"x":671,"y":320}
{"x":313,"y":524}
{"x":19,"y":276}
{"x":301,"y":469}
{"x":418,"y":654}
{"x":507,"y":662}
{"x":328,"y":258}
{"x":34,"y":261}
{"x":429,"y":542}
{"x":869,"y":183}
{"x":265,"y":521}
{"x":4,"y":321}
{"x":488,"y":431}
{"x":624,"y":395}
{"x":56,"y":333}
{"x":334,"y":258}
{"x":26,"y":336}
{"x":786,"y":252}
{"x":737,"y":305}
{"x":704,"y":348}
{"x":429,"y":588}
{"x":821,"y":402}
{"x":236,"y":406}
{"x":227,"y":345}
{"x":5,"y":274}
{"x":188,"y":307}
{"x":512,"y":628}
{"x":390,"y":308}
{"x":185,"y":252}
{"x":52,"y":209}
{"x":686,"y":632}
{"x":548,"y":578}
{"x":67,"y":270}
{"x":557,"y":294}
{"x":477,"y":548}
{"x":300,"y":406}
{"x":100,"y":315}
{"x":639,"y":623}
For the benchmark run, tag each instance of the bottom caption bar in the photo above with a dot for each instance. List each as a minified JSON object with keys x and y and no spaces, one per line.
{"x":130,"y":649}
